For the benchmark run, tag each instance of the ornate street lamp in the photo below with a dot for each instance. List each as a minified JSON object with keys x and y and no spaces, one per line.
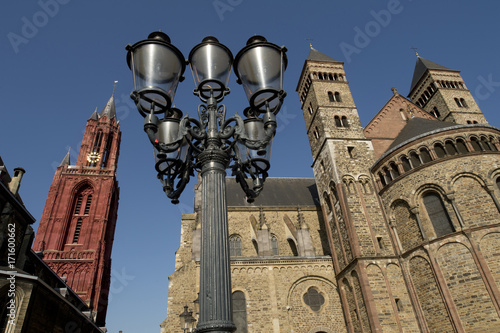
{"x":187,"y":320}
{"x":211,"y":144}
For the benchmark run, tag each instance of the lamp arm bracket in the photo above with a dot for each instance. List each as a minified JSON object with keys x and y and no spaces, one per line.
{"x":203,"y":115}
{"x":185,"y":176}
{"x":238,"y":130}
{"x":192,"y":129}
{"x":240,"y":178}
{"x":221,"y":114}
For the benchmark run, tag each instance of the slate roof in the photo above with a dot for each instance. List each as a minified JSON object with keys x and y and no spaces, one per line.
{"x":419,"y":126}
{"x":94,"y":115}
{"x":277,"y":192}
{"x":421,"y":66}
{"x":109,"y":109}
{"x":66,"y":160}
{"x":315,"y":55}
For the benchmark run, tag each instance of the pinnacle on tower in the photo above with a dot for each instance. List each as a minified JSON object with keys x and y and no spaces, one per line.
{"x":65,"y":160}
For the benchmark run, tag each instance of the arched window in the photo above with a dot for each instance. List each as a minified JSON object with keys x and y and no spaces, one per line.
{"x":406,"y":163}
{"x":462,"y":101}
{"x":387,"y":175}
{"x":344,"y":121}
{"x":338,"y":123}
{"x":492,"y":144}
{"x":96,"y":148}
{"x":310,"y":108}
{"x":462,"y":148}
{"x":240,"y":312}
{"x":235,"y":246}
{"x":437,"y":214}
{"x":487,"y":145}
{"x":394,"y":170}
{"x":83,"y":195}
{"x":424,"y":155}
{"x":459,"y":104}
{"x":415,"y":160}
{"x":475,"y":144}
{"x":314,"y":299}
{"x":274,"y":245}
{"x":382,"y":179}
{"x":337,"y":97}
{"x":107,"y":150}
{"x":331,"y":97}
{"x":440,"y":152}
{"x":450,"y":148}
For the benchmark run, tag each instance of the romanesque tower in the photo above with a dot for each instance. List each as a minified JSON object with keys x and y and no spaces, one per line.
{"x":410,"y":202}
{"x":77,"y":226}
{"x":442,"y":92}
{"x":358,"y":231}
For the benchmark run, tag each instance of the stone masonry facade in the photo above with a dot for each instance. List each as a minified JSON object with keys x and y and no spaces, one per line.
{"x":402,"y":234}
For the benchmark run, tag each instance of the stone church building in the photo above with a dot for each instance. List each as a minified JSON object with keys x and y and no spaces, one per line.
{"x":398,"y":231}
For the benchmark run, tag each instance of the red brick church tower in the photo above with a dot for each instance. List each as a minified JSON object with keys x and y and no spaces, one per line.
{"x":77,"y":226}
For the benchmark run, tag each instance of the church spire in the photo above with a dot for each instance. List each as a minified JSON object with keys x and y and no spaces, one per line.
{"x":109,"y":110}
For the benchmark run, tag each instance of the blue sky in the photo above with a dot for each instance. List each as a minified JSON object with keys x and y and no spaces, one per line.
{"x":59,"y":59}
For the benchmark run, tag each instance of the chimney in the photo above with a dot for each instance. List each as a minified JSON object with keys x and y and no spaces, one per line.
{"x":15,"y":182}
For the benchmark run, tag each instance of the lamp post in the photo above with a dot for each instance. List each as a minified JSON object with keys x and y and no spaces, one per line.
{"x":187,"y":320}
{"x":212,"y":143}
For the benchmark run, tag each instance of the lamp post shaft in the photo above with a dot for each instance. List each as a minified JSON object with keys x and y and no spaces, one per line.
{"x":215,"y":269}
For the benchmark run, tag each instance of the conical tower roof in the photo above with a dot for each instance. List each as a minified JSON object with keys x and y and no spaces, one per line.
{"x":109,"y":109}
{"x":66,"y":160}
{"x":94,"y":115}
{"x":423,"y":65}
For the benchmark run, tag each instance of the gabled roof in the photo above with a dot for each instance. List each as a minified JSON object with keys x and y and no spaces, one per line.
{"x":421,"y":66}
{"x":418,"y":126}
{"x":315,"y":55}
{"x":277,"y":192}
{"x":109,"y":109}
